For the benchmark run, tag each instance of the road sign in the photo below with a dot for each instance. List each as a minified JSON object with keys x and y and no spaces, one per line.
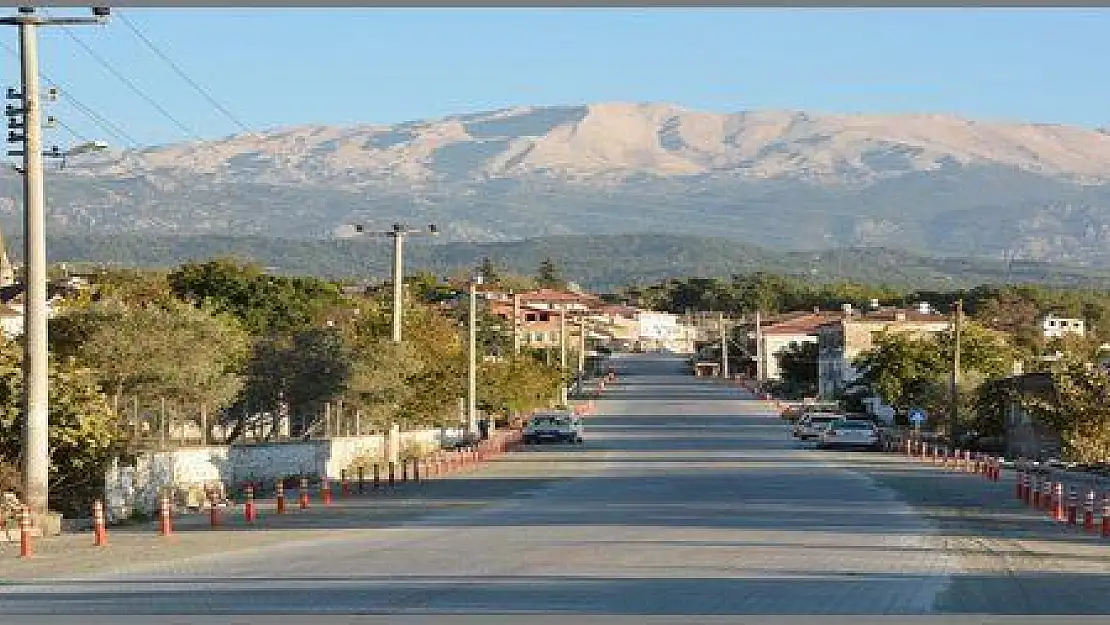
{"x":917,"y":416}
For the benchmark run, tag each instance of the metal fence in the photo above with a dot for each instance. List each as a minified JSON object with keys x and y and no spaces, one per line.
{"x":161,"y":423}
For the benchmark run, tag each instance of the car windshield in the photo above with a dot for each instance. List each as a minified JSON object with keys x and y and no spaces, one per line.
{"x":550,"y":422}
{"x":852,"y":425}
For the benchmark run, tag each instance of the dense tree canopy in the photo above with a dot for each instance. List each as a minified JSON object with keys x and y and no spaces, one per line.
{"x":265,"y":303}
{"x":248,"y":348}
{"x":909,"y":371}
{"x":85,"y":433}
{"x":1076,"y":408}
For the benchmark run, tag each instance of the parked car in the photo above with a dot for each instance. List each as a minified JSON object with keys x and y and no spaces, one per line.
{"x":560,"y":427}
{"x":850,"y":433}
{"x":811,"y":425}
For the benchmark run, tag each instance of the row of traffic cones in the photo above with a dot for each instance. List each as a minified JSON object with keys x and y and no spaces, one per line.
{"x":1041,"y":492}
{"x":1036,"y":490}
{"x":989,"y":467}
{"x":418,"y":469}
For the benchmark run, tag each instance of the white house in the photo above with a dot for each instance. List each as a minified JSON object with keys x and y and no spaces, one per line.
{"x":660,"y":330}
{"x":1055,"y":327}
{"x":778,"y":335}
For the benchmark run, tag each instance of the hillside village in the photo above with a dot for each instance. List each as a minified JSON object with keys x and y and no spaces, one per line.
{"x":576,"y":326}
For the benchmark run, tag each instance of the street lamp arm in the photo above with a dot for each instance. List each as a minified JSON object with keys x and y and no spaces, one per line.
{"x":399,"y":232}
{"x":396,"y":230}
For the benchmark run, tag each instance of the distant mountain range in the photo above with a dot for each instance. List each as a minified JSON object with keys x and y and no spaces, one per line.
{"x":926,"y":184}
{"x":598,"y":262}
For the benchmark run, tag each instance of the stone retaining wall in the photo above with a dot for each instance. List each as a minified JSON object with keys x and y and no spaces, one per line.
{"x":137,"y":487}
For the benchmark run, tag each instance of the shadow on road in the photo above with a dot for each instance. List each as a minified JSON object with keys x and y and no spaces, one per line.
{"x":811,"y":594}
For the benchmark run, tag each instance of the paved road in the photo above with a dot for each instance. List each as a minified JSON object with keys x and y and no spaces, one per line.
{"x":688,"y":499}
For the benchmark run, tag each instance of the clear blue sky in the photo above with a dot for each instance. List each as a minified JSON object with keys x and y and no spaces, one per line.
{"x":277,"y":67}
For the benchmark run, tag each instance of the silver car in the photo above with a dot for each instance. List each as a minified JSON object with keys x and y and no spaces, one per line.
{"x":812,"y":425}
{"x":850,"y":433}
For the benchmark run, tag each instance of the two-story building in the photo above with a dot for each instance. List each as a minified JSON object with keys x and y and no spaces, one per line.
{"x":536,"y":327}
{"x":782,"y":331}
{"x":1054,"y":327}
{"x":553,"y":299}
{"x":852,"y":333}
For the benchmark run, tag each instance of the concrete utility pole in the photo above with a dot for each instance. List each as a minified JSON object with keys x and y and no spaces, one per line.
{"x":563,"y":356}
{"x":957,"y":322}
{"x":724,"y":345}
{"x":581,"y":347}
{"x":759,"y":368}
{"x":398,"y":283}
{"x":398,"y":232}
{"x":36,"y":381}
{"x":516,"y":323}
{"x":472,"y":352}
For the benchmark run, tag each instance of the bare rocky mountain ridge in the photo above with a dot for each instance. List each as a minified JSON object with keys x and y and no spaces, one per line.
{"x":934,"y":184}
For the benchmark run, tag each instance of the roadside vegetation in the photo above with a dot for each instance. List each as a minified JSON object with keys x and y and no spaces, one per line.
{"x":1001,"y":335}
{"x":244,"y":349}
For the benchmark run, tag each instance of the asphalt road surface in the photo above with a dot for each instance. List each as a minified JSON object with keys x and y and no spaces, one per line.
{"x":688,"y":498}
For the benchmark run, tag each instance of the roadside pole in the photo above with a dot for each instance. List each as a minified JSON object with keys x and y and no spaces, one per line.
{"x":36,"y":381}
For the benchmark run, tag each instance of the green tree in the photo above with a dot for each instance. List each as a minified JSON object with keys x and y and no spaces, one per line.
{"x":264,"y":303}
{"x":84,"y":432}
{"x":549,"y":276}
{"x":136,"y":287}
{"x":1076,"y":408}
{"x":172,"y":350}
{"x":489,"y":271}
{"x":292,"y":376}
{"x":903,"y":370}
{"x":379,"y":382}
{"x":911,"y":371}
{"x":430,"y":363}
{"x":798,"y":368}
{"x":510,"y":386}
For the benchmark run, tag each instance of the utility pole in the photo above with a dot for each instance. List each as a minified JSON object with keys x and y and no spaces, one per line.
{"x":724,"y":345}
{"x":36,"y":381}
{"x":398,"y":232}
{"x":957,"y":322}
{"x":563,"y":356}
{"x":472,"y":353}
{"x":516,"y":323}
{"x":759,"y":368}
{"x":581,"y":347}
{"x":398,"y":282}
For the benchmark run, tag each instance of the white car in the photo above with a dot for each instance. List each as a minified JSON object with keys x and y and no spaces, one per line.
{"x":850,"y":433}
{"x":812,"y":425}
{"x":558,"y":427}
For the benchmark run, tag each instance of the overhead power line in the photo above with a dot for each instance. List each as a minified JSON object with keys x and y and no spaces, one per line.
{"x":100,"y":121}
{"x":131,"y":85}
{"x":180,"y":72}
{"x":70,"y":130}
